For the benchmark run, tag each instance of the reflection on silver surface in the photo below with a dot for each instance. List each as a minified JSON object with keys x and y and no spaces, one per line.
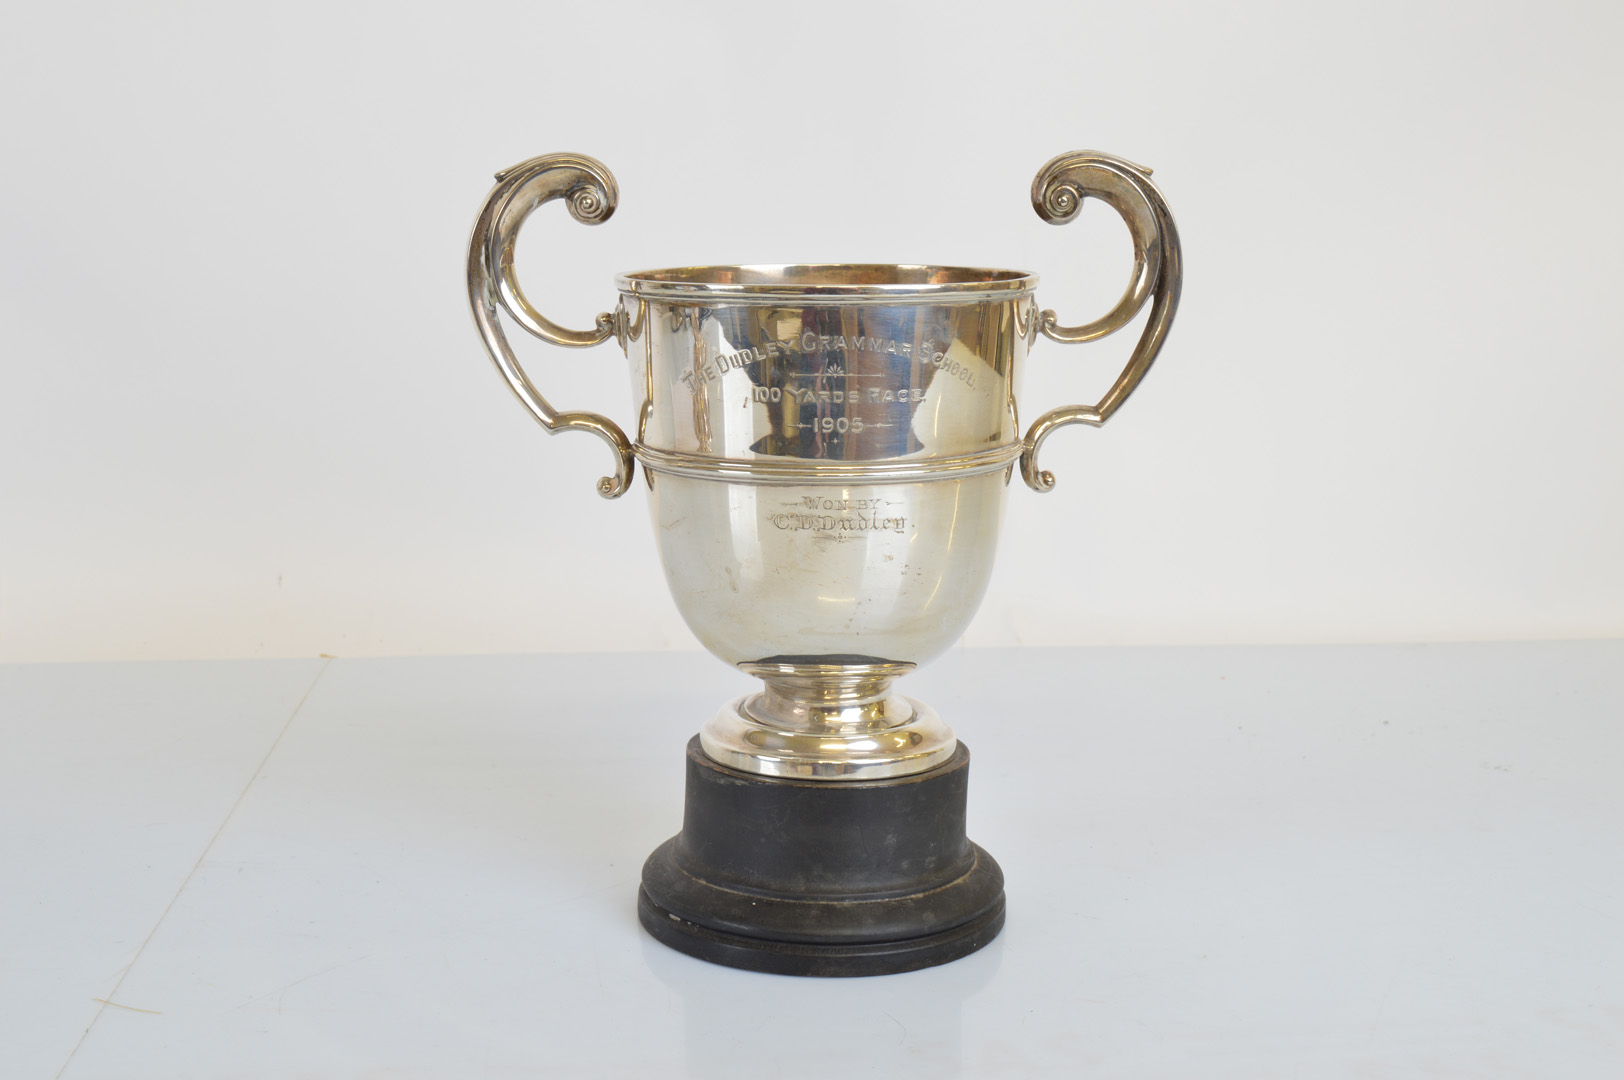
{"x":827,"y":476}
{"x":826,"y":449}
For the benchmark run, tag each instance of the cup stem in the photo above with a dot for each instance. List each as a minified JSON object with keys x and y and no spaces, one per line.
{"x":828,"y":720}
{"x":829,"y":699}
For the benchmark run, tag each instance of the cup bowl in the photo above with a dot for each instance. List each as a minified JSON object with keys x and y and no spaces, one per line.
{"x":827,"y":449}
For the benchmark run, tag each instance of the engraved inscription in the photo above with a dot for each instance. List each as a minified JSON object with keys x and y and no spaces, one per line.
{"x":947,"y":365}
{"x":805,"y":395}
{"x":809,"y":342}
{"x":837,"y":518}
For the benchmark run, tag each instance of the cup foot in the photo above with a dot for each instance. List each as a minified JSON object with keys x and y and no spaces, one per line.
{"x":896,"y":736}
{"x":799,"y":877}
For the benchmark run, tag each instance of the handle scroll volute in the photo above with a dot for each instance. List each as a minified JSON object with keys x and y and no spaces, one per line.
{"x":1057,"y":196}
{"x":591,"y":195}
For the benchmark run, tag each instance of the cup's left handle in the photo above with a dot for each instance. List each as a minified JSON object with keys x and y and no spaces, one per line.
{"x":590,"y":191}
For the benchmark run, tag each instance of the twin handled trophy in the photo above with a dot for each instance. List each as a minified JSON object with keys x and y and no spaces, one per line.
{"x":826,"y":449}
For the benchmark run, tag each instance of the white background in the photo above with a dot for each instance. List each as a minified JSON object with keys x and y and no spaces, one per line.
{"x":245,"y":413}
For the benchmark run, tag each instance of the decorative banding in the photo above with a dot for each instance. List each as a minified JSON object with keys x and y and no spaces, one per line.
{"x":827,"y":283}
{"x":798,"y":472}
{"x":777,"y":296}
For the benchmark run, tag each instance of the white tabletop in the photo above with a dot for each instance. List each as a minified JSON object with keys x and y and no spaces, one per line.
{"x":1371,"y":861}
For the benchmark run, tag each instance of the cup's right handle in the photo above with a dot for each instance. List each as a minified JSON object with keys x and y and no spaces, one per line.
{"x":1158,"y":270}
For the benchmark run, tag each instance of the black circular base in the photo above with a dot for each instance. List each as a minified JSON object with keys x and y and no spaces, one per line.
{"x":827,"y":878}
{"x":800,"y":958}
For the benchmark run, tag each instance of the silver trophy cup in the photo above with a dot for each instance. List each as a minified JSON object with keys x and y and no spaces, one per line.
{"x":826,"y":449}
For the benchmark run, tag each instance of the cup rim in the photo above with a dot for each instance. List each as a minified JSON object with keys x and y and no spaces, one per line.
{"x":827,"y":282}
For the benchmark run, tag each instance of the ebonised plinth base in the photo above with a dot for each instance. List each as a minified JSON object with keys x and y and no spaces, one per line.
{"x":831,"y":878}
